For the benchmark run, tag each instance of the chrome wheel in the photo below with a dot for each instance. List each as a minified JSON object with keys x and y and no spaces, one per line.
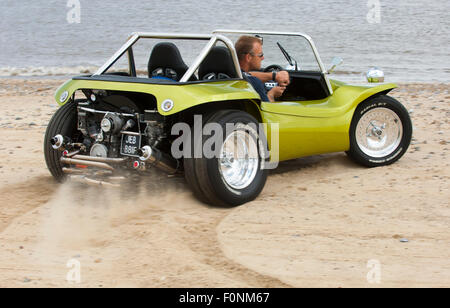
{"x":239,"y":160}
{"x":230,"y":170}
{"x":379,"y":132}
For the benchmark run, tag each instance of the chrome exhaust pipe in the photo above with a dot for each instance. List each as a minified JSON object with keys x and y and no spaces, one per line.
{"x":61,"y":143}
{"x":58,"y":142}
{"x":100,"y":183}
{"x":86,"y":180}
{"x":71,"y":161}
{"x":158,"y":159}
{"x":72,"y":171}
{"x":105,"y":160}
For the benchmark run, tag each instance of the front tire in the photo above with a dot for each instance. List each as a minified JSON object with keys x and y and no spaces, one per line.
{"x":235,"y":174}
{"x":380,"y":132}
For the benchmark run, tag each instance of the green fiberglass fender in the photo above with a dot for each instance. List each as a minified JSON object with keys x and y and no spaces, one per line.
{"x":183,"y":96}
{"x":319,"y":126}
{"x":344,"y":99}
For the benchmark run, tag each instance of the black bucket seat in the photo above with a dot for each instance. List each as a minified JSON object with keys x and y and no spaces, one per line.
{"x":166,"y":61}
{"x":218,"y":64}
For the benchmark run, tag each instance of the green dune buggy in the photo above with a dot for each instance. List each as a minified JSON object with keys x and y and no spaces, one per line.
{"x":204,"y":120}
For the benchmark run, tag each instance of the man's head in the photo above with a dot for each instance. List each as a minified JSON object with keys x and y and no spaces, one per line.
{"x":250,"y":53}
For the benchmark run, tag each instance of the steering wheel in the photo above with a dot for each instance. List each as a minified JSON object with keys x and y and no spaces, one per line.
{"x":273,"y":68}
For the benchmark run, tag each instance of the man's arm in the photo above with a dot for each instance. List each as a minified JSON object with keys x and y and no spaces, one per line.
{"x":282,"y":77}
{"x":258,"y":85}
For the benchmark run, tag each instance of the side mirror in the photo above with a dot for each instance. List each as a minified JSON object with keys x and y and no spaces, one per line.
{"x":334,"y":63}
{"x":375,"y":75}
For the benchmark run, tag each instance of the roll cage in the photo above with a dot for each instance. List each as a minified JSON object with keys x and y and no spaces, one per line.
{"x":216,"y":36}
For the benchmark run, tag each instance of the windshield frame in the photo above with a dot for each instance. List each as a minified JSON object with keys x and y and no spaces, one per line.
{"x":298,"y":34}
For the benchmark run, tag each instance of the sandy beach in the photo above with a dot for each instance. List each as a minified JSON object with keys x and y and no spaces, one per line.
{"x":318,"y":223}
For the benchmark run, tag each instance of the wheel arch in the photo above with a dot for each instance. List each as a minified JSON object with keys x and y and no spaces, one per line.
{"x":372,"y":92}
{"x":366,"y":99}
{"x":252,"y":107}
{"x":350,"y":97}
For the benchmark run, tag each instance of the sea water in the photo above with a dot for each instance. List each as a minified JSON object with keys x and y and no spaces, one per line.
{"x":407,"y":39}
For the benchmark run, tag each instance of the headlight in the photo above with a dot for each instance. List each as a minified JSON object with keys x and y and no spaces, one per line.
{"x":375,"y":75}
{"x":167,"y":105}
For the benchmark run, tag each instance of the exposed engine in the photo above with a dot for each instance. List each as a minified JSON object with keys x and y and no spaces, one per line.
{"x":114,"y":135}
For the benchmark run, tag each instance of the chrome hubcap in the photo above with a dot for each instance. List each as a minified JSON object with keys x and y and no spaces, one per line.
{"x":379,"y":132}
{"x":239,"y":160}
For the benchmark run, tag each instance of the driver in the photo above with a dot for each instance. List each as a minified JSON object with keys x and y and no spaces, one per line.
{"x":250,"y":55}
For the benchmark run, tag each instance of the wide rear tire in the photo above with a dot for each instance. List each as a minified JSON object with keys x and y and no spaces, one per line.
{"x":236,"y":174}
{"x":63,"y":122}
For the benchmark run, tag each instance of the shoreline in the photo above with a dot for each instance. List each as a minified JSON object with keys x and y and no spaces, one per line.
{"x":339,"y":77}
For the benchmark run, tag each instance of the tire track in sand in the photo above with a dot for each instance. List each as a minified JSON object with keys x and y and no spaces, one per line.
{"x":190,"y":229}
{"x":18,"y":199}
{"x":202,"y":238}
{"x":138,"y":241}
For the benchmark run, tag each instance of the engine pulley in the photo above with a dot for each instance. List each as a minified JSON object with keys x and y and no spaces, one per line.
{"x":99,"y":150}
{"x":112,"y":123}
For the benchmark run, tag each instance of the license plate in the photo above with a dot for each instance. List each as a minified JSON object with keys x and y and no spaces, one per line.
{"x":130,"y":145}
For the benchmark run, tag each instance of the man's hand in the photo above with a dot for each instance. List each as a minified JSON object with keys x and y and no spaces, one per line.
{"x":283,"y":78}
{"x":275,"y":93}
